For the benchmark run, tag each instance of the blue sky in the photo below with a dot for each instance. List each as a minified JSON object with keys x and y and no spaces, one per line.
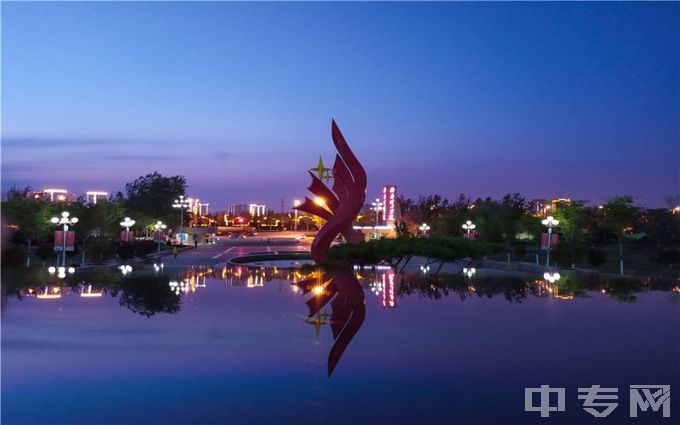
{"x":567,"y":99}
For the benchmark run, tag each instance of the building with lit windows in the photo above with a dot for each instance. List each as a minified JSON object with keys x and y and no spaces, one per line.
{"x":54,"y":195}
{"x":93,"y":196}
{"x":390,"y":214}
{"x":237,"y":209}
{"x":543,"y":207}
{"x":256,"y":209}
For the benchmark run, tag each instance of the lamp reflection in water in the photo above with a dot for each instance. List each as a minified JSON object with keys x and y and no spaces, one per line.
{"x":551,"y":277}
{"x":551,"y":287}
{"x":469,"y":272}
{"x":177,"y":286}
{"x":50,"y":293}
{"x":341,"y":289}
{"x":87,"y":293}
{"x":255,"y":281}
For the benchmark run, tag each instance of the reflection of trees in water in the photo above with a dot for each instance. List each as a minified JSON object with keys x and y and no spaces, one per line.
{"x":147,"y":295}
{"x":435,"y":287}
{"x":516,"y":289}
{"x":142,"y":293}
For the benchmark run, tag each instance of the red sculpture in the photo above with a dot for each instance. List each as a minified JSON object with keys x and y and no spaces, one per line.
{"x":339,"y":206}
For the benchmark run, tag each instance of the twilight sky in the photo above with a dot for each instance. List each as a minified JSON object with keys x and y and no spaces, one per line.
{"x":577,"y":100}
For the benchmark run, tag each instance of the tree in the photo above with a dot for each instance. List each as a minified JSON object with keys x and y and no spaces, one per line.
{"x":451,"y":218}
{"x":486,"y":216}
{"x":619,"y":214}
{"x":31,"y":216}
{"x":571,"y":218}
{"x":510,"y":215}
{"x":402,"y":229}
{"x":101,"y":219}
{"x":153,"y":195}
{"x":394,"y":251}
{"x":660,"y":226}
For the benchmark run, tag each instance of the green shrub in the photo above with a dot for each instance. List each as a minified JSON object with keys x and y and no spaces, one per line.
{"x":398,"y":249}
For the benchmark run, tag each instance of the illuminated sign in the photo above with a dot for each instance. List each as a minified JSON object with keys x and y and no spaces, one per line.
{"x":389,"y":203}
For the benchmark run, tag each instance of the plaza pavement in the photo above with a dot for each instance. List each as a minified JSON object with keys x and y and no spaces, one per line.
{"x":225,"y":249}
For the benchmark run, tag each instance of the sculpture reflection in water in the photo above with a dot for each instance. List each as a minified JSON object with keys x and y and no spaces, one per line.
{"x":339,"y":207}
{"x":342,"y":290}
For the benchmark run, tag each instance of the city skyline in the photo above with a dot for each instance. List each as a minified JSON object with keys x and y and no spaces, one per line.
{"x":549,"y":100}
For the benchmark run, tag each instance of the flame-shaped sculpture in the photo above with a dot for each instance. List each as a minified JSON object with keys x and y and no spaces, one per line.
{"x":339,"y":206}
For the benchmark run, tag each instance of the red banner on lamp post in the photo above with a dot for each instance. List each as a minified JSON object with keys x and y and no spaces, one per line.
{"x":160,"y":237}
{"x":59,"y":240}
{"x":544,"y":240}
{"x":127,"y":236}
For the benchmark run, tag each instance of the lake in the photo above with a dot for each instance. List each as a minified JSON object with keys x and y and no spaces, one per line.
{"x":243,"y":345}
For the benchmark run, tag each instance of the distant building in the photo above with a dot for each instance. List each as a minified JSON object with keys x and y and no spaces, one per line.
{"x":238,"y":209}
{"x":390,"y":214}
{"x":543,"y":207}
{"x":93,"y":196}
{"x":537,"y":206}
{"x":54,"y":195}
{"x":559,"y":202}
{"x":256,"y":210}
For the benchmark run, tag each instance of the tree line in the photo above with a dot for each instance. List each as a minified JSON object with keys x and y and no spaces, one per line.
{"x":582,"y":230}
{"x":27,"y":230}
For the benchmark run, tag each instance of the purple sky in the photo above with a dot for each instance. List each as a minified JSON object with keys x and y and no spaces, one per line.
{"x":551,"y":100}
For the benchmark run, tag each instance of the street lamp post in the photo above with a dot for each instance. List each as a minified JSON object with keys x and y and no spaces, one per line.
{"x":296,"y":203}
{"x":181,"y":204}
{"x":377,"y":207}
{"x":127,"y":223}
{"x":424,"y":228}
{"x":159,"y":226}
{"x":65,"y":221}
{"x":468,"y":226}
{"x":549,"y":222}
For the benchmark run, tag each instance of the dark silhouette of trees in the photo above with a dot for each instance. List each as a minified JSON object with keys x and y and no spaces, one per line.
{"x":30,"y":216}
{"x":619,"y":215}
{"x":153,"y":195}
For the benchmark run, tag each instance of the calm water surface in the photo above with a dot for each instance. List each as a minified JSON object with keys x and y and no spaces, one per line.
{"x":238,"y":345}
